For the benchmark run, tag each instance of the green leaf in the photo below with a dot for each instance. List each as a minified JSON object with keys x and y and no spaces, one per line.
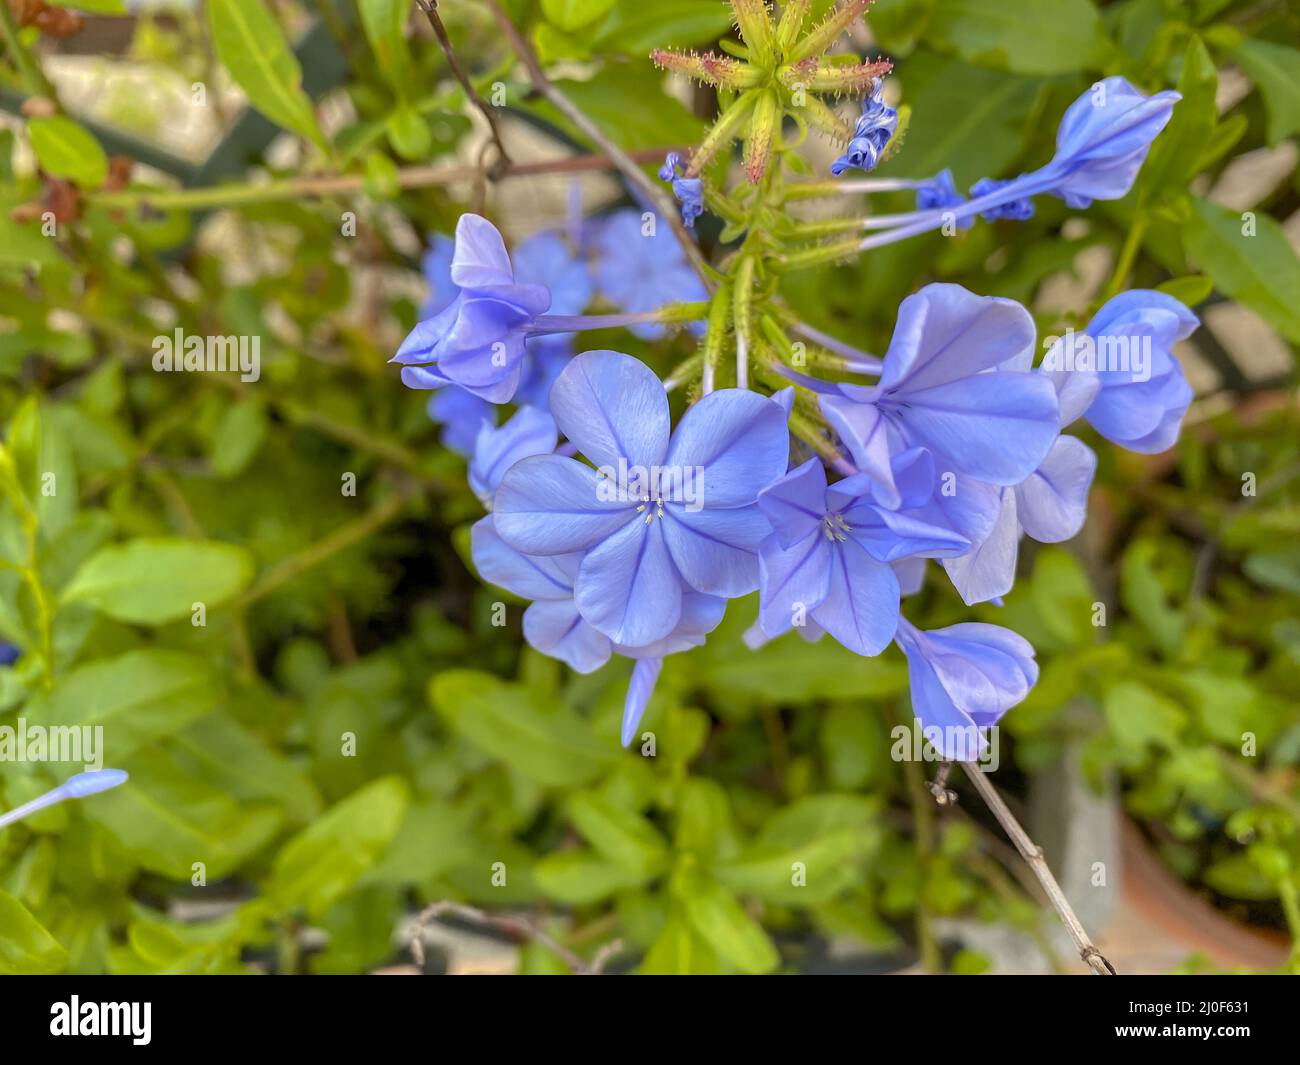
{"x":137,"y":697}
{"x":409,"y":134}
{"x":66,"y":150}
{"x":315,"y":868}
{"x":1191,"y":291}
{"x":570,"y":15}
{"x":26,"y":948}
{"x":1137,"y":716}
{"x":384,"y":22}
{"x":807,"y":853}
{"x":222,"y":751}
{"x":680,"y":951}
{"x":1275,"y":69}
{"x":718,"y":918}
{"x":1176,"y":153}
{"x":251,"y":46}
{"x":97,"y":7}
{"x":238,"y":437}
{"x":168,"y":819}
{"x":986,"y":115}
{"x":154,"y":581}
{"x":1024,"y":36}
{"x":635,"y":27}
{"x":552,"y":747}
{"x":1144,"y":596}
{"x":581,"y":878}
{"x":623,"y":836}
{"x":1260,"y":270}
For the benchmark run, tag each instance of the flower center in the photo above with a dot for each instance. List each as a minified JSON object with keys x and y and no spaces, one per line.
{"x":652,"y":508}
{"x":835,"y":528}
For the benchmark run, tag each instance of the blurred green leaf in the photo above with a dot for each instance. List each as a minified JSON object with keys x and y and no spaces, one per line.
{"x":624,"y":837}
{"x":316,"y":867}
{"x":26,"y":948}
{"x":251,"y":46}
{"x":1275,"y":68}
{"x":1260,"y":269}
{"x":1023,"y":36}
{"x":151,"y":581}
{"x":551,"y":747}
{"x":718,"y":918}
{"x":66,"y":150}
{"x":137,"y":697}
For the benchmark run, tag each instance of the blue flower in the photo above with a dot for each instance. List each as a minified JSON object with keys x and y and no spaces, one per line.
{"x":546,"y":259}
{"x":667,"y":512}
{"x":548,"y":354}
{"x":949,"y":386}
{"x":436,"y":266}
{"x":461,"y":415}
{"x":1103,"y":141}
{"x":554,"y":626}
{"x":938,"y":193}
{"x":1050,"y":506}
{"x":529,"y":432}
{"x":688,"y":191}
{"x":1018,"y":210}
{"x":77,"y":786}
{"x":477,"y":340}
{"x":1121,"y":374}
{"x":641,"y":268}
{"x":829,"y":558}
{"x":9,"y":654}
{"x":874,"y":129}
{"x":963,"y":679}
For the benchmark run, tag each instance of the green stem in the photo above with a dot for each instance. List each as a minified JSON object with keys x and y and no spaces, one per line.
{"x":1128,"y":254}
{"x":33,"y":77}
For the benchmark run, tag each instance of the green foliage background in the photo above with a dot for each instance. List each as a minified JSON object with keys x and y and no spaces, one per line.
{"x":348,"y":736}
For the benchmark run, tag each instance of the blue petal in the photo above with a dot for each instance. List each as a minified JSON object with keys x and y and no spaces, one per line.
{"x":741,"y":441}
{"x":612,"y":406}
{"x":480,"y":259}
{"x":1052,"y":504}
{"x":793,"y":581}
{"x":1100,"y":149}
{"x":863,"y":428}
{"x":946,"y":333}
{"x":628,"y":586}
{"x":796,"y":503}
{"x":530,"y":432}
{"x":642,"y":686}
{"x":527,"y":576}
{"x":551,"y":505}
{"x":701,"y":614}
{"x":861,"y":605}
{"x":545,"y":259}
{"x":557,"y":629}
{"x":997,"y":427}
{"x":988,"y":570}
{"x":715,"y":549}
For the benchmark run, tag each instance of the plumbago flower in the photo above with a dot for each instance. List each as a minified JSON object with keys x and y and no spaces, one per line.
{"x":628,"y":536}
{"x":636,"y":554}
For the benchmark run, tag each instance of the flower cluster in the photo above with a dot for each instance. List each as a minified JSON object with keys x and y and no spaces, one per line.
{"x":628,"y":534}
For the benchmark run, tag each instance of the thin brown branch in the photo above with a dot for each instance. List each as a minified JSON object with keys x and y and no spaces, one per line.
{"x":411,"y":177}
{"x":622,"y":161}
{"x":1033,"y":855}
{"x":430,"y":9}
{"x":515,"y":926}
